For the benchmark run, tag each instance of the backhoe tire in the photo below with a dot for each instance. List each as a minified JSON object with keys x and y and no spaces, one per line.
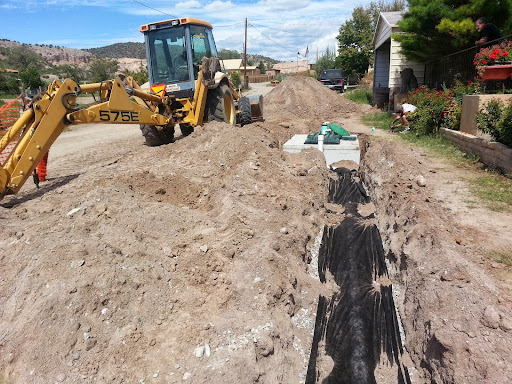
{"x":154,"y":137}
{"x":220,"y":105}
{"x":244,"y":105}
{"x":186,"y":129}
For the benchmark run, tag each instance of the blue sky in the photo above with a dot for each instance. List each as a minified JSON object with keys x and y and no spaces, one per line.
{"x":277,"y":28}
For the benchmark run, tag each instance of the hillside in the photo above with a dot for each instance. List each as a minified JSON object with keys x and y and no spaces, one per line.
{"x":257,"y":58}
{"x":120,"y":50}
{"x":53,"y":54}
{"x":125,"y":53}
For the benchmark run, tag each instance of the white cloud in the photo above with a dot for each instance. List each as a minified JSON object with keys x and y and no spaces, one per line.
{"x":219,"y":7}
{"x":188,"y":4}
{"x":283,"y":5}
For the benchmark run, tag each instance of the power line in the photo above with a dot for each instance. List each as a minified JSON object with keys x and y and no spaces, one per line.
{"x":228,"y":25}
{"x":278,"y":30}
{"x":275,"y":42}
{"x":154,"y":9}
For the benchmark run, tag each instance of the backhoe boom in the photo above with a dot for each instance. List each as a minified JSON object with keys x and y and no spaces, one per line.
{"x":48,"y":117}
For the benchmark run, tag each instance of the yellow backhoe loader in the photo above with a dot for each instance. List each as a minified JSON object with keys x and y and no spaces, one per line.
{"x":187,"y":87}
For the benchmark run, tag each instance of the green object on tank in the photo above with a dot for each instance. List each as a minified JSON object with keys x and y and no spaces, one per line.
{"x":339,"y":130}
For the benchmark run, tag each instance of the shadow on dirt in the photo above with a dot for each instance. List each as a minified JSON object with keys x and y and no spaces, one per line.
{"x":44,"y":188}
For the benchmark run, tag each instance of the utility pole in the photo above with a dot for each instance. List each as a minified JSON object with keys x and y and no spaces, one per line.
{"x":246,"y":85}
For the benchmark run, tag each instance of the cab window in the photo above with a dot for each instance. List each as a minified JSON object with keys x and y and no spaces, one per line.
{"x":169,"y":55}
{"x":201,"y":43}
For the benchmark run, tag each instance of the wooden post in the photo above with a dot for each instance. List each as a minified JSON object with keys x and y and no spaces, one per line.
{"x":246,"y":85}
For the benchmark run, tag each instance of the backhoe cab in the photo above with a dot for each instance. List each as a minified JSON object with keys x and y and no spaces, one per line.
{"x":177,"y":52}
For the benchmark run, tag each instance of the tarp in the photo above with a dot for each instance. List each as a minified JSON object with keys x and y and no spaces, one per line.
{"x":329,"y":138}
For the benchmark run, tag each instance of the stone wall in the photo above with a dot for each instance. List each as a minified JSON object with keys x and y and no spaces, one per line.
{"x":491,"y":153}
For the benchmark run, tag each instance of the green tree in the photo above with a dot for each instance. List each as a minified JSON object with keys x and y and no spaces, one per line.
{"x":435,"y":28}
{"x":9,"y":83}
{"x":261,"y":66}
{"x":31,"y":77}
{"x":21,"y":57}
{"x":326,"y":61}
{"x":141,"y":76}
{"x":227,"y":54}
{"x":103,"y":69}
{"x":73,"y":72}
{"x":355,"y":39}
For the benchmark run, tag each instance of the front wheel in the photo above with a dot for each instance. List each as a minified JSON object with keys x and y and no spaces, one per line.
{"x":244,"y":104}
{"x":155,"y":137}
{"x":220,"y":105}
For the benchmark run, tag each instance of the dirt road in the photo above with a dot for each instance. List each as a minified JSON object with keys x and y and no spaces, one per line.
{"x":195,"y":262}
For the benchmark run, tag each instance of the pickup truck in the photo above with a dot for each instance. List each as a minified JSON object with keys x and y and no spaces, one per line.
{"x":333,"y":78}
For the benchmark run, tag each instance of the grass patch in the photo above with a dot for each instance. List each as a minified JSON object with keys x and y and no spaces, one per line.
{"x":360,"y":96}
{"x":439,"y":146}
{"x":502,"y":256}
{"x":9,"y":96}
{"x":379,"y":120}
{"x":495,"y":190}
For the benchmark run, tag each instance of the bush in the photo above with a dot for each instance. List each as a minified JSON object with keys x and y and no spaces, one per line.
{"x":495,"y":119}
{"x":361,"y":95}
{"x":236,"y":79}
{"x":439,"y":109}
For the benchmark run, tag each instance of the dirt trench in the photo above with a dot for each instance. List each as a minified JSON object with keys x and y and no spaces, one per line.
{"x":196,"y":262}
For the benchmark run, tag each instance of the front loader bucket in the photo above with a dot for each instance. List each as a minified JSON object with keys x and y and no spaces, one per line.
{"x":256,"y":107}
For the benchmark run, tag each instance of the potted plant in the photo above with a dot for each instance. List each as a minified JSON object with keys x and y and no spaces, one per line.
{"x":495,"y":62}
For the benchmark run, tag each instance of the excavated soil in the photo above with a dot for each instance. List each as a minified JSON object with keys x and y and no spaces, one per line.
{"x":195,"y":261}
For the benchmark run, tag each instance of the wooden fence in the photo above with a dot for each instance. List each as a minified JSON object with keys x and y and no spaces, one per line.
{"x":261,"y":78}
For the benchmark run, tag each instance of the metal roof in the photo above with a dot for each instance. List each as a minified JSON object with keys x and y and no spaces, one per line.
{"x":392,"y":18}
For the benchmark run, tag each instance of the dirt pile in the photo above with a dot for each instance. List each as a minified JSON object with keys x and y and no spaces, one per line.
{"x":171,"y":263}
{"x":300,"y":104}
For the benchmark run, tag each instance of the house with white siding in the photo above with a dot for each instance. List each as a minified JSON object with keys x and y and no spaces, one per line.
{"x":237,"y":65}
{"x":388,"y":62}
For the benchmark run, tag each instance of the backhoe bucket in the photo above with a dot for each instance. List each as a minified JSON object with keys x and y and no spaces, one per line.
{"x":256,"y":107}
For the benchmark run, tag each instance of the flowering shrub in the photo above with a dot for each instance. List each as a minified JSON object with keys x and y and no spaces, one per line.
{"x":439,"y":109}
{"x":496,"y":54}
{"x":495,"y":119}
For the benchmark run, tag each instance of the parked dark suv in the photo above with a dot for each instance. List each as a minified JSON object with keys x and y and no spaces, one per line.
{"x":333,"y":78}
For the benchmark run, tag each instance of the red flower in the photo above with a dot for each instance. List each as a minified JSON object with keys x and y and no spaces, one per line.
{"x":484,"y":61}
